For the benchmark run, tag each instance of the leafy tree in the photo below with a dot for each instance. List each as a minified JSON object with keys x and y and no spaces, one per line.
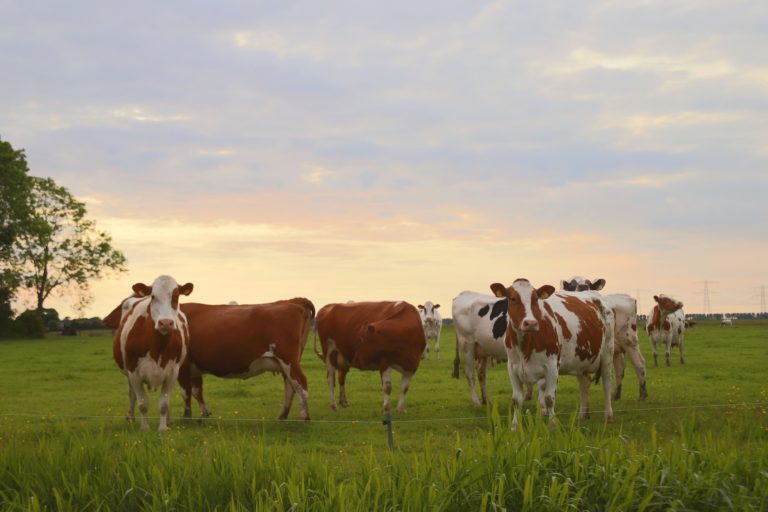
{"x":15,"y":187}
{"x":61,"y":248}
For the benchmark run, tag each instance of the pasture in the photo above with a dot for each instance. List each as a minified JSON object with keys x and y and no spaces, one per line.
{"x":700,"y":441}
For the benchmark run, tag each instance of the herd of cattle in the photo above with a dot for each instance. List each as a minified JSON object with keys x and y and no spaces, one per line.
{"x":541,"y":333}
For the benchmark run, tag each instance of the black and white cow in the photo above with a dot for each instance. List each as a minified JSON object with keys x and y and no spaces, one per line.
{"x":481,"y":326}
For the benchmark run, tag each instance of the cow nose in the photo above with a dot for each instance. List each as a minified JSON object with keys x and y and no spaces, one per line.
{"x":530,"y":325}
{"x":165,"y":324}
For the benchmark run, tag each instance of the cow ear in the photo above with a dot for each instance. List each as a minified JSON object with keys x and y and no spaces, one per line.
{"x":421,"y":306}
{"x":141,"y":290}
{"x":186,"y":289}
{"x":437,"y":306}
{"x":656,"y":298}
{"x":564,"y":284}
{"x":499,"y":290}
{"x":545,"y":291}
{"x":598,"y":285}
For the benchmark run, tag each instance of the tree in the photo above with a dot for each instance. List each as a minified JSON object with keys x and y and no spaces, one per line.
{"x":15,"y":187}
{"x":62,"y":249}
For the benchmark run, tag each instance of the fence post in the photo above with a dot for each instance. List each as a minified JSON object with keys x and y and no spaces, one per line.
{"x":388,"y":423}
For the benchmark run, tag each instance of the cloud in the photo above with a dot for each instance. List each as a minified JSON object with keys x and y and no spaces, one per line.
{"x":317,"y":175}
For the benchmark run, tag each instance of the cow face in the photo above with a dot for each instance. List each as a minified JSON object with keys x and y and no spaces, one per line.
{"x":579,"y":284}
{"x":523,"y":303}
{"x":667,"y":304}
{"x":427,"y":311}
{"x":164,"y":301}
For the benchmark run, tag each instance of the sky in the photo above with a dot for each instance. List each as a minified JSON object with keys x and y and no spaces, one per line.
{"x":348,"y":150}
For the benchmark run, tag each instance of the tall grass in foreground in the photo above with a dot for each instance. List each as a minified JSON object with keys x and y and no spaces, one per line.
{"x":536,"y":468}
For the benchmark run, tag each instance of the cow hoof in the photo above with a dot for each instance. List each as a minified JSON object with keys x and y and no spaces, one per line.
{"x":476,"y":404}
{"x":187,"y":413}
{"x":609,"y":419}
{"x":401,"y":410}
{"x":282,"y":417}
{"x":334,"y":408}
{"x":129,"y":418}
{"x":344,"y":403}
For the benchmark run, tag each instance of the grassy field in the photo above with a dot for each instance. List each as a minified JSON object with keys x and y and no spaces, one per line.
{"x":700,"y":442}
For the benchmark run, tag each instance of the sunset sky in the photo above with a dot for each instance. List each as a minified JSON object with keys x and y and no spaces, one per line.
{"x":403,"y":150}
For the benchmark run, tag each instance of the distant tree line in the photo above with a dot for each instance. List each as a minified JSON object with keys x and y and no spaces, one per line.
{"x":47,"y":246}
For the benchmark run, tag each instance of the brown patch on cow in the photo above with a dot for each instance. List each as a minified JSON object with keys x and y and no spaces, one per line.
{"x":589,"y":339}
{"x":143,"y":340}
{"x":666,"y":325}
{"x":679,"y":330}
{"x":634,"y":327}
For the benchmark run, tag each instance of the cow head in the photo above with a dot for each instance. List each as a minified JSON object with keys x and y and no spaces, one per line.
{"x":427,"y":311}
{"x":667,"y":304}
{"x":164,"y":301}
{"x":579,"y":284}
{"x":523,"y":303}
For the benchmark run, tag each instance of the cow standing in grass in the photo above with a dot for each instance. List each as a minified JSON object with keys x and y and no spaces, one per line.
{"x":370,"y":336}
{"x":666,"y":325}
{"x":433,"y":324}
{"x":556,"y":333}
{"x":626,"y":341}
{"x":151,"y":344}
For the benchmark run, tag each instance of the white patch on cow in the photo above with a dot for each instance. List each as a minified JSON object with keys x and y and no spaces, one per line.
{"x":153,"y":374}
{"x":265,"y":363}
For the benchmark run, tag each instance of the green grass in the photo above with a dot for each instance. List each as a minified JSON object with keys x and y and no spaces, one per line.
{"x":698,"y":443}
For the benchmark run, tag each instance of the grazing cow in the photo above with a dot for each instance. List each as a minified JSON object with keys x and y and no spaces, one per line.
{"x":690,"y":323}
{"x":370,"y":336}
{"x":151,"y":344}
{"x":666,"y":324}
{"x":481,"y":323}
{"x":625,"y":333}
{"x":725,"y":321}
{"x":556,"y":333}
{"x":433,"y":324}
{"x":235,"y":341}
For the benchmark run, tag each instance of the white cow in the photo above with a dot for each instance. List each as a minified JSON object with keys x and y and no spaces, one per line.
{"x":433,"y":324}
{"x":726,"y":321}
{"x":625,"y":333}
{"x":666,"y":324}
{"x":481,"y":323}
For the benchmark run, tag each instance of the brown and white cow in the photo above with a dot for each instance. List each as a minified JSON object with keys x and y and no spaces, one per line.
{"x":242,"y":341}
{"x":151,"y":344}
{"x":666,"y":324}
{"x":235,"y":341}
{"x":626,"y":341}
{"x":370,"y":336}
{"x":556,"y":333}
{"x":433,"y":325}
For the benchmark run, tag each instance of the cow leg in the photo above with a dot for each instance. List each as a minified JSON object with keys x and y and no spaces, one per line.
{"x":331,"y":374}
{"x":682,"y":361}
{"x":425,"y":353}
{"x":605,"y":373}
{"x":481,"y":374}
{"x":618,"y":368}
{"x":528,"y":390}
{"x":655,"y":354}
{"x":130,"y":416}
{"x":141,"y":396}
{"x":299,"y":385}
{"x":469,"y":371}
{"x":517,"y":392}
{"x":669,"y":351}
{"x":386,"y":384}
{"x":548,"y":391}
{"x":403,"y":390}
{"x":289,"y":392}
{"x":584,"y":382}
{"x":636,"y":357}
{"x":164,"y":404}
{"x":437,"y":346}
{"x":197,"y":392}
{"x":343,"y":387}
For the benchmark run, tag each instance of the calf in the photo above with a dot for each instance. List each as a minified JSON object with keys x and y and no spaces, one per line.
{"x":556,"y":333}
{"x":151,"y":344}
{"x":666,"y":324}
{"x":433,"y":324}
{"x":370,"y":336}
{"x":481,"y":323}
{"x":626,"y":341}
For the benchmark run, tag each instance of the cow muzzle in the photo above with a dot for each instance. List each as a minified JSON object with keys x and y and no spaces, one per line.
{"x":530,"y":325}
{"x":165,"y":325}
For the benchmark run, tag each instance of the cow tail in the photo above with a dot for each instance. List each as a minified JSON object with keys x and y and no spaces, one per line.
{"x":598,"y":373}
{"x":456,"y":361}
{"x":314,"y":345}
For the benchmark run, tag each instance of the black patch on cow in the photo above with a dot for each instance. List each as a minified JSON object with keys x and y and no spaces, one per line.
{"x":500,"y":327}
{"x":499,"y":308}
{"x":483,"y":311}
